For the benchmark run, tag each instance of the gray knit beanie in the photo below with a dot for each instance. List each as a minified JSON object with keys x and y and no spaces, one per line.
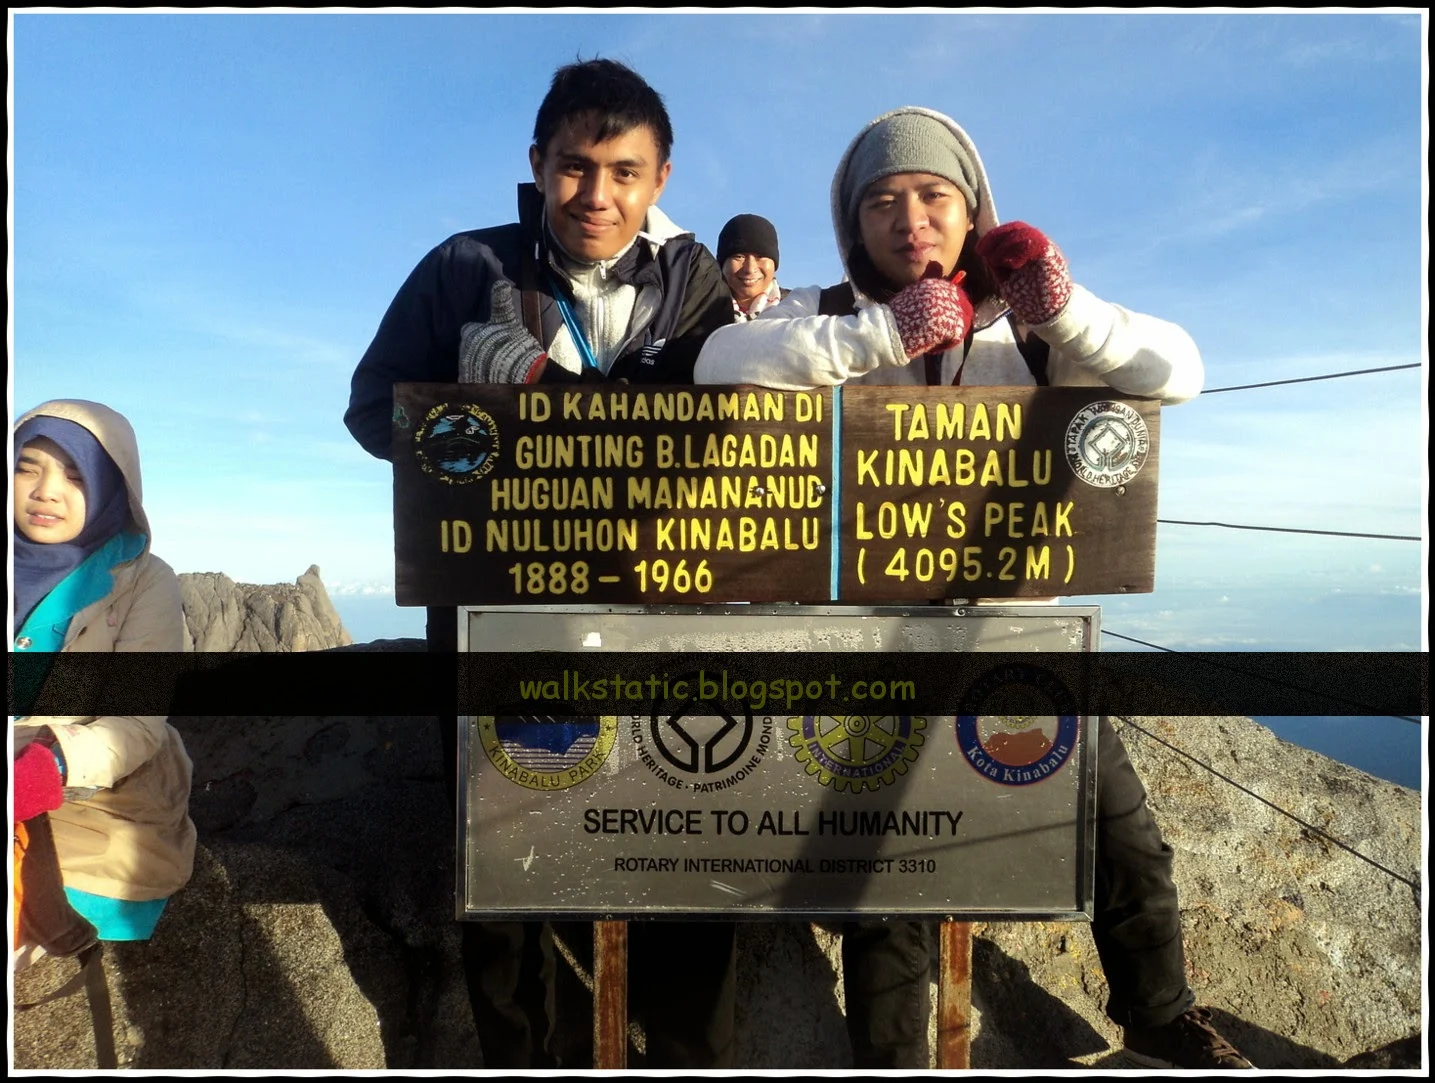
{"x":907,"y":143}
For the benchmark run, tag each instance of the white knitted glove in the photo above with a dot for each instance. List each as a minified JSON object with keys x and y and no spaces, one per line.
{"x":500,"y":351}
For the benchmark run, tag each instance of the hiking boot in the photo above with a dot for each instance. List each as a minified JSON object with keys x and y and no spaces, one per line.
{"x":1188,"y":1041}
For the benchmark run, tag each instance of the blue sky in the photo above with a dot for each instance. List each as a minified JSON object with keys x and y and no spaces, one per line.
{"x":210,"y":213}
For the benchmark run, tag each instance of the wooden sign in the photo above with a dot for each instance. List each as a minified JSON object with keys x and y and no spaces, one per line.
{"x":611,"y":493}
{"x":606,"y":494}
{"x":996,"y":492}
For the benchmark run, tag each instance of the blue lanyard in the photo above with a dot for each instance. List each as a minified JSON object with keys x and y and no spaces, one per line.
{"x":571,"y":322}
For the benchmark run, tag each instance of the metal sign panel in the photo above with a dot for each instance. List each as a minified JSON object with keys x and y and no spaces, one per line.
{"x":697,"y":806}
{"x":598,"y":494}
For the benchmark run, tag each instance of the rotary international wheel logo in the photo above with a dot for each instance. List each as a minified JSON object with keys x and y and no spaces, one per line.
{"x":456,"y":444}
{"x":1107,"y":444}
{"x":856,"y":752}
{"x":548,"y":752}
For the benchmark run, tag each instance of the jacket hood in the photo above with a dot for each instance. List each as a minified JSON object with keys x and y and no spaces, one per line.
{"x":115,"y":435}
{"x":986,"y":218}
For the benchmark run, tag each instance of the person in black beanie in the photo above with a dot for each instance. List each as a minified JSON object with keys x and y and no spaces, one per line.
{"x":747,"y":254}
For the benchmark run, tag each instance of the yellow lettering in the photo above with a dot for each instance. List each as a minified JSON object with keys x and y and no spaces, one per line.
{"x":1063,"y":518}
{"x":755,"y":495}
{"x":1039,"y":527}
{"x":865,"y":459}
{"x":956,"y":519}
{"x":981,"y":424}
{"x":495,"y":537}
{"x":1009,"y":421}
{"x":966,"y":466}
{"x":992,"y":472}
{"x":1012,"y":479}
{"x":807,"y":444}
{"x":887,"y":519}
{"x":909,"y":466}
{"x":917,"y":518}
{"x":918,"y":431}
{"x":896,"y":409}
{"x":746,"y":534}
{"x":951,"y":421}
{"x":862,"y":533}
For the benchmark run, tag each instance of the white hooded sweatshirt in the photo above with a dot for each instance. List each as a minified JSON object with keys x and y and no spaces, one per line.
{"x":1092,"y":342}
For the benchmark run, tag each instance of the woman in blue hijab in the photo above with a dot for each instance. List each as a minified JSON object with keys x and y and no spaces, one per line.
{"x":116,"y":787}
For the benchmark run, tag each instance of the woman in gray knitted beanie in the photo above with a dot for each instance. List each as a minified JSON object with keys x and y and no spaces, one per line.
{"x":930,"y":275}
{"x":931,"y":271}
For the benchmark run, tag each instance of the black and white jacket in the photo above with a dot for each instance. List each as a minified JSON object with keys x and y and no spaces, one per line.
{"x":680,"y":298}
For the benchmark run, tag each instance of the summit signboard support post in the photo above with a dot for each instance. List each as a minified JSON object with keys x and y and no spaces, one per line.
{"x":717,"y":599}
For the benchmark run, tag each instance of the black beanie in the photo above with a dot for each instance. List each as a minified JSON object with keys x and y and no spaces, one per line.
{"x":748,"y":233}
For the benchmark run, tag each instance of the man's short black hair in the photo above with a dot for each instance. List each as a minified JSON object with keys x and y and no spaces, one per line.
{"x":615,"y":94}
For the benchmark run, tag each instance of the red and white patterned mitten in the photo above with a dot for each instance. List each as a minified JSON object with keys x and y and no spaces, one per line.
{"x":932,"y":314}
{"x":1029,"y":270}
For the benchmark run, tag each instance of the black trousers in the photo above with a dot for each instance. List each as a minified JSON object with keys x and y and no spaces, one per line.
{"x":682,"y":975}
{"x":1136,"y":925}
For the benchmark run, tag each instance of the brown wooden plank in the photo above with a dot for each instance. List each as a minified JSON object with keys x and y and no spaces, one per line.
{"x":996,"y":493}
{"x":954,"y":996}
{"x":610,"y":994}
{"x":623,"y":493}
{"x":657,"y":494}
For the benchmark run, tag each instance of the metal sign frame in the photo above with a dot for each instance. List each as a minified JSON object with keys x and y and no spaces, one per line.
{"x":1010,"y":619}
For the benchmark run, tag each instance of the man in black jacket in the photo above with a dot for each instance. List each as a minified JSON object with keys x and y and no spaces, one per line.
{"x":592,"y":283}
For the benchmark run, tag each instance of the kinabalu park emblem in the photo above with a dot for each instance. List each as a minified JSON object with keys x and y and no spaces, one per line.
{"x":456,"y":444}
{"x":1107,"y":444}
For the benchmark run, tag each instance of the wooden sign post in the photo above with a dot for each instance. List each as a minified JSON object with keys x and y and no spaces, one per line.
{"x":954,"y":995}
{"x":610,"y":994}
{"x":685,"y":498}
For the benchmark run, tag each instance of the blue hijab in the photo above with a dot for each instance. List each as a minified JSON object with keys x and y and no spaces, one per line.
{"x":40,"y":566}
